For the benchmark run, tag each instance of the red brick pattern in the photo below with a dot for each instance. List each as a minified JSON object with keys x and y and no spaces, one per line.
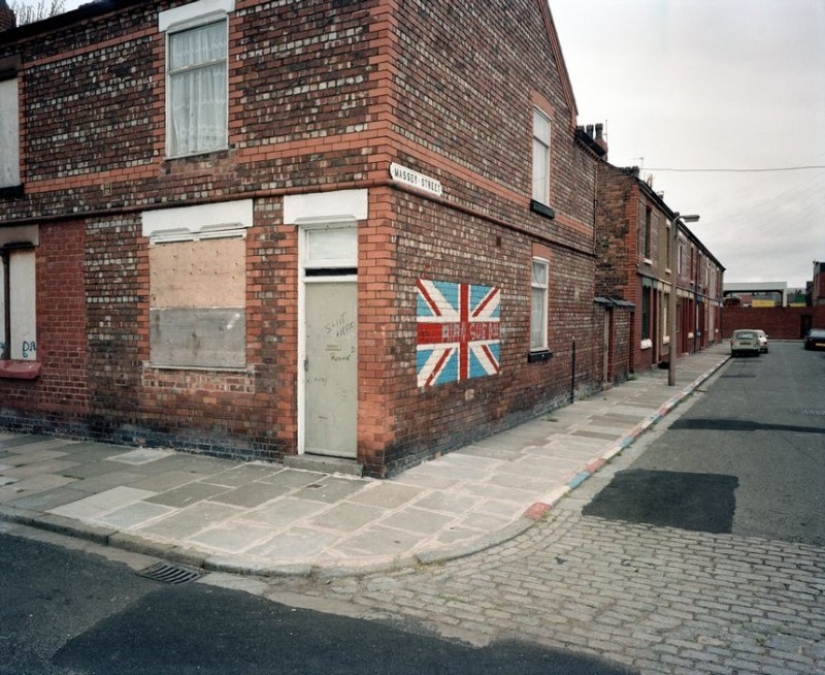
{"x":780,"y":323}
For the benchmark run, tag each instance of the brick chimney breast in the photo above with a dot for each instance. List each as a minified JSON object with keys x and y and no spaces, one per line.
{"x":7,"y":18}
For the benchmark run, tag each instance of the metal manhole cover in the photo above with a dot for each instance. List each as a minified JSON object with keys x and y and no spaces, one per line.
{"x":167,"y":573}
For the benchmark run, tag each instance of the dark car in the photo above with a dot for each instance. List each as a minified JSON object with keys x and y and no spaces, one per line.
{"x":815,"y":339}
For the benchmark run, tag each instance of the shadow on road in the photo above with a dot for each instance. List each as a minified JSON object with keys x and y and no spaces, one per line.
{"x":687,"y":501}
{"x":722,"y":424}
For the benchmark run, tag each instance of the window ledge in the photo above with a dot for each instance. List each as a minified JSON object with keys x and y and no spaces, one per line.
{"x":647,"y":344}
{"x":539,"y":357}
{"x":542,"y":209}
{"x":19,"y":370}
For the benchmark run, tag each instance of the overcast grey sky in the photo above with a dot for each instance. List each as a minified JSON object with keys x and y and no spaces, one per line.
{"x":712,"y":84}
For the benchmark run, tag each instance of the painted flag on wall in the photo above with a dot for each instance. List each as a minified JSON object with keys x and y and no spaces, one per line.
{"x":459,"y":331}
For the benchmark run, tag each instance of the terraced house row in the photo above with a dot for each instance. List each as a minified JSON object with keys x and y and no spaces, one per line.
{"x":350,"y":232}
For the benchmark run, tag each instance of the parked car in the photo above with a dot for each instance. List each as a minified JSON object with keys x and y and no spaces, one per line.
{"x":815,"y":339}
{"x":745,"y":341}
{"x":762,"y":336}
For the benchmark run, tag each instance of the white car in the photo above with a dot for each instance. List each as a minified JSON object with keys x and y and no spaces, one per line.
{"x":745,"y":341}
{"x":763,"y":341}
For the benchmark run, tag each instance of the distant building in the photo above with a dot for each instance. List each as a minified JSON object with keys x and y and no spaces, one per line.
{"x":634,"y":241}
{"x":817,"y":294}
{"x":758,"y":293}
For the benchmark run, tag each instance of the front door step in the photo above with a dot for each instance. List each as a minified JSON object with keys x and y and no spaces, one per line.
{"x":323,"y":464}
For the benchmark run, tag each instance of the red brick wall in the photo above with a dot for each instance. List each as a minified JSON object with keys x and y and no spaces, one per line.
{"x":437,"y":243}
{"x":62,"y":391}
{"x":439,"y":87}
{"x":780,"y":323}
{"x":620,"y":348}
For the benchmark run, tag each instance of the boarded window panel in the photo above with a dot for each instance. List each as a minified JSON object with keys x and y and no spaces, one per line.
{"x":209,"y":273}
{"x":23,"y":308}
{"x":198,"y":337}
{"x":198,"y":304}
{"x":9,"y":134}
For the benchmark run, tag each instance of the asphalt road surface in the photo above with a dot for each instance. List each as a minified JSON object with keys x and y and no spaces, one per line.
{"x":747,"y":458}
{"x":68,"y":612}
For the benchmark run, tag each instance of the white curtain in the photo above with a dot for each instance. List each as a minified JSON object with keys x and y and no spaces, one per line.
{"x":197,"y":81}
{"x":538,"y":306}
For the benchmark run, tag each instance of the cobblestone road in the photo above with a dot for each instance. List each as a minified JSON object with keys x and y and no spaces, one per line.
{"x":658,"y":600}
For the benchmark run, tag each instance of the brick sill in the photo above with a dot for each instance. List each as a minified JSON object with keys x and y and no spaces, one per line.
{"x":19,"y":370}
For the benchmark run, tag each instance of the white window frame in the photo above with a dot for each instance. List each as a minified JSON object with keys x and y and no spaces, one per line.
{"x":665,"y":322}
{"x":18,"y":304}
{"x":193,"y":16}
{"x":9,"y":132}
{"x":541,"y":156}
{"x":540,"y":345}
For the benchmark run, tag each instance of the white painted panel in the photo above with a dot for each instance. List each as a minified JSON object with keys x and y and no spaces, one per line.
{"x":23,"y":306}
{"x":318,"y":207}
{"x":200,"y":219}
{"x":193,"y":13}
{"x":9,"y":134}
{"x":22,"y":234}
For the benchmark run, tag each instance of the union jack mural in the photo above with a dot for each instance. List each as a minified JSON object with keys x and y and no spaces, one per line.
{"x":459,"y":331}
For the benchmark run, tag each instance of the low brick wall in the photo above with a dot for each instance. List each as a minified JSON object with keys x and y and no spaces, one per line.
{"x":780,"y":323}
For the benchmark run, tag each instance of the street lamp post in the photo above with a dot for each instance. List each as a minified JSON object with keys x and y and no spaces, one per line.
{"x":674,"y":278}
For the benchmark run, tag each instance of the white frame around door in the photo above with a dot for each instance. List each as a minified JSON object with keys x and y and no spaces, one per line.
{"x":348,"y":261}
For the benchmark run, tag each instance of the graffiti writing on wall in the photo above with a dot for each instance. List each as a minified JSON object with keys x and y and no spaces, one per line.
{"x":28,"y":350}
{"x":459,"y":331}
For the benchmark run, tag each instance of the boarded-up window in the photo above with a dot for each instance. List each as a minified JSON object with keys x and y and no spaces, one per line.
{"x":9,"y":134}
{"x":197,"y":307}
{"x":18,"y":338}
{"x":197,"y":284}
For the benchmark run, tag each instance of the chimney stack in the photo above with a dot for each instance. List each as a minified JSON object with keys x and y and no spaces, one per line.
{"x":600,"y":140}
{"x":7,"y":18}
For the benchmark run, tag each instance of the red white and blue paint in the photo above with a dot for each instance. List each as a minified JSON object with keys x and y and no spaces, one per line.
{"x":459,"y":332}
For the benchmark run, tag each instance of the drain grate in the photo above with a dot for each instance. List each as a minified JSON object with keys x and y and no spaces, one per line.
{"x":729,"y":376}
{"x":816,"y":412}
{"x":167,"y":573}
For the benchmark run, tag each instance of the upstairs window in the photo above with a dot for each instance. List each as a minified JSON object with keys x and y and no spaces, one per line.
{"x":196,"y":76}
{"x":541,"y":157}
{"x":9,"y":133}
{"x":646,"y":233}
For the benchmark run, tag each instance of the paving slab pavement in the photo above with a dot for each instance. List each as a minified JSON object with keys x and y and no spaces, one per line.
{"x":268,"y":519}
